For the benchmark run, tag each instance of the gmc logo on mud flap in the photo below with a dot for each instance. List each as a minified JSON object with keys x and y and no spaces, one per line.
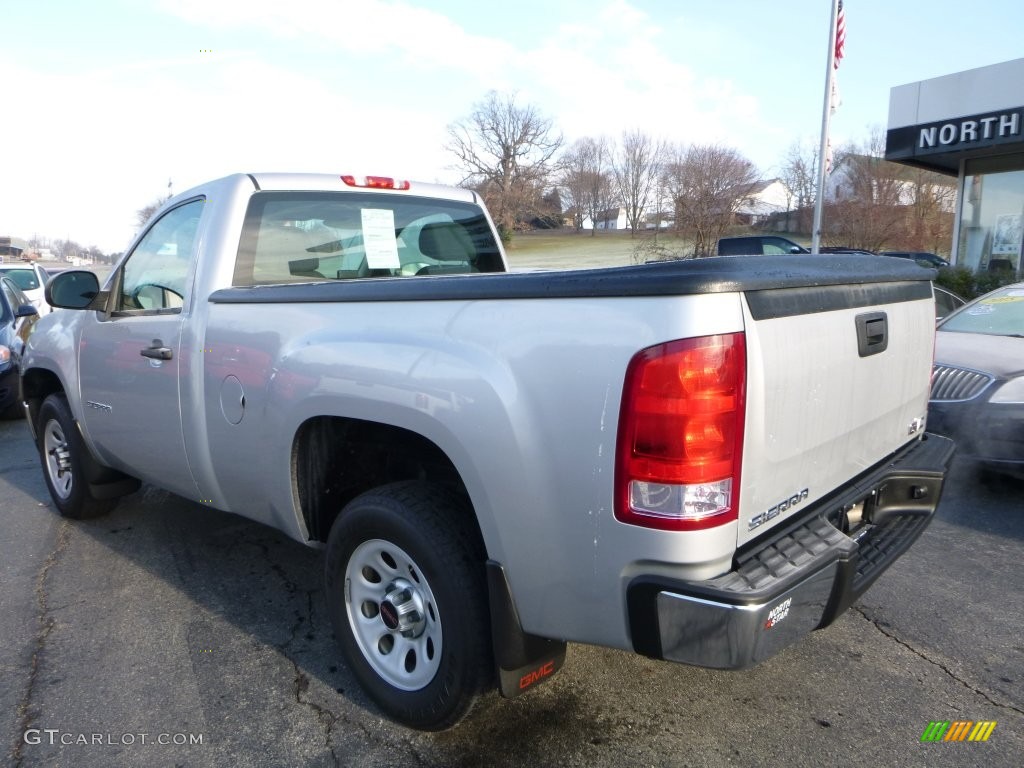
{"x":777,"y":510}
{"x":536,"y":675}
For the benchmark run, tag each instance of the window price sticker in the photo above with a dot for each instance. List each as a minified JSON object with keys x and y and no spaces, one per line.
{"x":379,"y":238}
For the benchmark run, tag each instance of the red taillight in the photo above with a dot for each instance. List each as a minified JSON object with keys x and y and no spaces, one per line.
{"x":375,"y":182}
{"x":680,"y":441}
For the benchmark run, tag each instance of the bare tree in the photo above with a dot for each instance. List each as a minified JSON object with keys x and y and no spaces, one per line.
{"x":602,"y":202}
{"x":870,"y":196}
{"x":876,"y":204}
{"x":505,"y":151}
{"x":933,"y":206}
{"x":575,"y":182}
{"x":800,"y":174}
{"x":145,"y":213}
{"x":67,"y":249}
{"x":587,"y":180}
{"x":637,"y":165}
{"x":601,"y":197}
{"x":707,"y":184}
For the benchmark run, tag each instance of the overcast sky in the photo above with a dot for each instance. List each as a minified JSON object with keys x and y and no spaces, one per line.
{"x":106,"y":101}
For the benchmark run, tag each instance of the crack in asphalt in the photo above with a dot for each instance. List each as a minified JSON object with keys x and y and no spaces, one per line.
{"x":325,"y":716}
{"x":26,"y":717}
{"x":952,"y":675}
{"x":300,"y":682}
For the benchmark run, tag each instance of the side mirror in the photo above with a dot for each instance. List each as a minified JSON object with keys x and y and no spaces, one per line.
{"x":73,"y":290}
{"x":25,"y":310}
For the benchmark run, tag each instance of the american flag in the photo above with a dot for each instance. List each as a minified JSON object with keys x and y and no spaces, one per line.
{"x":840,"y":36}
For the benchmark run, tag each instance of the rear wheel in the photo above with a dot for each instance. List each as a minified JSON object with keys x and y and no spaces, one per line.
{"x":406,"y":593}
{"x":66,"y":461}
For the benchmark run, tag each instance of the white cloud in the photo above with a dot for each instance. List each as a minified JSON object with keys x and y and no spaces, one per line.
{"x":375,"y":29}
{"x":617,"y":72}
{"x":319,"y":85}
{"x":116,"y":140}
{"x":599,"y":74}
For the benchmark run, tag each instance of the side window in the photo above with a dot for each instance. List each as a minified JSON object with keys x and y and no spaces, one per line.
{"x":156,"y":274}
{"x":943,"y":304}
{"x":774,"y":247}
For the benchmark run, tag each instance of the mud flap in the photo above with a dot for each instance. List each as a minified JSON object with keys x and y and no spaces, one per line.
{"x":523,"y":660}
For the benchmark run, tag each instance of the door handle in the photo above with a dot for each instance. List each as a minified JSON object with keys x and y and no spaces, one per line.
{"x":157,"y":352}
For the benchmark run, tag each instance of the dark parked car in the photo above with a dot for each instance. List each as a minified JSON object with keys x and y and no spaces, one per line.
{"x":17,"y":316}
{"x":921,"y":257}
{"x":757,"y":245}
{"x":978,"y":381}
{"x":840,"y":249}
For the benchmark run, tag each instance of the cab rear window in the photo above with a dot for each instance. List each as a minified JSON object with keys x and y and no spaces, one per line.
{"x":295,"y":237}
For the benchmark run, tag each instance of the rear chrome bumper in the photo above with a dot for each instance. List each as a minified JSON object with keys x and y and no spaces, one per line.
{"x":796,"y":578}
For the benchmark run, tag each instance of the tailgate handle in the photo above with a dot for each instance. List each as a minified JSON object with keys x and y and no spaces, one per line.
{"x":872,"y":333}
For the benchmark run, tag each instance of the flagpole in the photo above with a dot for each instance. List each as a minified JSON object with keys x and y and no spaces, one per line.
{"x":826,"y":114}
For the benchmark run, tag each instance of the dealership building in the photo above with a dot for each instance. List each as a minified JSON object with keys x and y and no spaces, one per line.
{"x":970,"y":125}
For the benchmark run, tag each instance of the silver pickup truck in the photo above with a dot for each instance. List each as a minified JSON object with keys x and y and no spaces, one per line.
{"x":698,"y":461}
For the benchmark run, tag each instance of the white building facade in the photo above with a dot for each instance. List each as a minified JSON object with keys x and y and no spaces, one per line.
{"x":970,"y":125}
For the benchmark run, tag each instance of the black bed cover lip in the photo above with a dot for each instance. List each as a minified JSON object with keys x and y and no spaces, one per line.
{"x":719,"y":274}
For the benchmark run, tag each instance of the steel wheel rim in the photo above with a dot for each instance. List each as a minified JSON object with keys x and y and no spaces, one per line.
{"x":393,"y":615}
{"x":58,"y":459}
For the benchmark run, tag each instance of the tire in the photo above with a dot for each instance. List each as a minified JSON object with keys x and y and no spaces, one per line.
{"x":407,"y":596}
{"x":67,"y":465}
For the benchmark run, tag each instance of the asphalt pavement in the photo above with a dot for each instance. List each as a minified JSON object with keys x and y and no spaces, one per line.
{"x":168,"y":634}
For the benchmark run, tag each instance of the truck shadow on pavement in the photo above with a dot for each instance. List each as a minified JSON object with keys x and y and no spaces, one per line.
{"x":260,"y":602}
{"x":241,"y":615}
{"x":979,"y":497}
{"x":247,"y":604}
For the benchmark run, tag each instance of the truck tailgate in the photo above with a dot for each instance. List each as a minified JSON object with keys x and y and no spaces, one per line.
{"x":838,"y":379}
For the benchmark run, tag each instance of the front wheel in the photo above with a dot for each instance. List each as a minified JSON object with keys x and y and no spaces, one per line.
{"x":406,"y":591}
{"x":65,"y":461}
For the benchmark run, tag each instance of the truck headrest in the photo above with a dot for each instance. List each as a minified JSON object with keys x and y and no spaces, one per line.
{"x":446,"y":241}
